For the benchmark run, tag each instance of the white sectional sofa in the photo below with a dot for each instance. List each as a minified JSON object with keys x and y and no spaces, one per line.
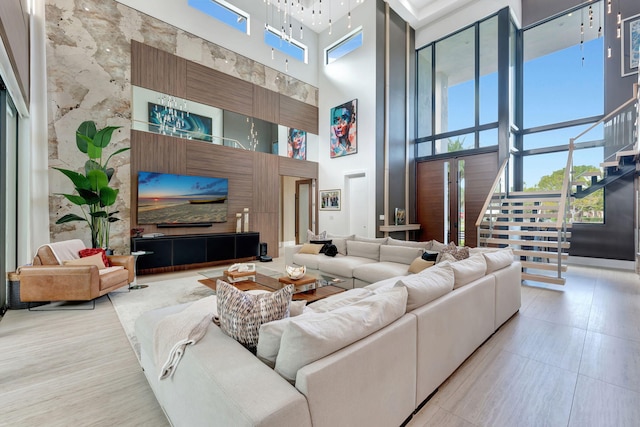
{"x":379,"y":379}
{"x":363,"y":260}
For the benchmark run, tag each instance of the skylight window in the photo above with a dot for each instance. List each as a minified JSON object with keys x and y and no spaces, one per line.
{"x":225,"y":12}
{"x":345,"y":45}
{"x":288,"y":46}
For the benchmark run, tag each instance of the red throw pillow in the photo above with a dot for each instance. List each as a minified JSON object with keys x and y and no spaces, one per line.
{"x":92,"y":251}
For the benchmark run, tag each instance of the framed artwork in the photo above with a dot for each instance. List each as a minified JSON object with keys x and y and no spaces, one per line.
{"x":344,"y":129}
{"x":400,"y":216}
{"x":330,"y":200}
{"x":297,"y":144}
{"x":630,"y":45}
{"x":179,"y":123}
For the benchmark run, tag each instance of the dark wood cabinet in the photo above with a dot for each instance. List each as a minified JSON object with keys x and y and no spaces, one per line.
{"x":172,"y":253}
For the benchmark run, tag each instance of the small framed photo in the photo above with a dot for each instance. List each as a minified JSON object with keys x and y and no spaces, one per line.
{"x":630,"y":45}
{"x":330,"y":200}
{"x":400,"y":215}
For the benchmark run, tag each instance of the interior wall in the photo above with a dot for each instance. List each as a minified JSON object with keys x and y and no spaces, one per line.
{"x":14,"y":33}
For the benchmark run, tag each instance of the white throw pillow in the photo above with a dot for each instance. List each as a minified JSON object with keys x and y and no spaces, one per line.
{"x":498,"y":260}
{"x":424,"y":288}
{"x":468,"y":270}
{"x":310,"y":338}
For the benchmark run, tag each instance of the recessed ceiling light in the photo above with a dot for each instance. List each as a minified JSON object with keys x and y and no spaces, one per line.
{"x":86,"y":8}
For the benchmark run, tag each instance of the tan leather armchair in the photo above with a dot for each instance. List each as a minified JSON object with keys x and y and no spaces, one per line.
{"x":48,"y":280}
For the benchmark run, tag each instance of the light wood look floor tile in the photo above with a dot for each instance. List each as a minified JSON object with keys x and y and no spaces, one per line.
{"x":561,"y":307}
{"x":598,"y":404}
{"x":441,"y":418}
{"x":612,"y":360}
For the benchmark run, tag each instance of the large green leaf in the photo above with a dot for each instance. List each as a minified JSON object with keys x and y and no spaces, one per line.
{"x":90,"y":165}
{"x":98,"y":180}
{"x":113,"y":219}
{"x":93,"y":151}
{"x":76,"y":200}
{"x":98,"y":214}
{"x":91,"y":197}
{"x":103,"y":137}
{"x":85,"y":133}
{"x":69,"y":218}
{"x":122,"y":150}
{"x":108,"y":196}
{"x":79,"y":180}
{"x":109,"y":172}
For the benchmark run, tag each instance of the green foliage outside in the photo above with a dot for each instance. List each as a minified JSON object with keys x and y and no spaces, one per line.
{"x":587,"y":209}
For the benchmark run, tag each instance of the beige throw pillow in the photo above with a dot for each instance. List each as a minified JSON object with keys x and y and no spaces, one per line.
{"x":88,"y":260}
{"x":311,"y":248}
{"x":419,"y":264}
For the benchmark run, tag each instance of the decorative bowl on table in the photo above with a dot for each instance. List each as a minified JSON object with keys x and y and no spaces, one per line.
{"x":296,"y":273}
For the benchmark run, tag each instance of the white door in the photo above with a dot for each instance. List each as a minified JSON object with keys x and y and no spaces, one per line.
{"x":357,"y":193}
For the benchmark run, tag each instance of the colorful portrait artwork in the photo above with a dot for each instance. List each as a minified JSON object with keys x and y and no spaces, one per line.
{"x":297,"y":144}
{"x":344,"y":130}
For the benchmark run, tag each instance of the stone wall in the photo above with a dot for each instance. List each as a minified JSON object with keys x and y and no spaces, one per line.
{"x":88,"y":78}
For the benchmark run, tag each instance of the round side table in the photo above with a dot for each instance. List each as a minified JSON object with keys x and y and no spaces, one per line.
{"x":137,"y":254}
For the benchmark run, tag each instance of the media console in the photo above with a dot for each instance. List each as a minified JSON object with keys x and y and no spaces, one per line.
{"x":172,"y":253}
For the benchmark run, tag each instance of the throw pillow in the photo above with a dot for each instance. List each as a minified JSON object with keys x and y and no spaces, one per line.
{"x":89,"y":260}
{"x":325,"y":244}
{"x":92,"y":251}
{"x":437,"y":246}
{"x":427,"y":286}
{"x":430,"y":256}
{"x":457,"y":252}
{"x":310,"y":248}
{"x":419,"y":264}
{"x":241,"y":314}
{"x":331,"y":251}
{"x":311,"y":236}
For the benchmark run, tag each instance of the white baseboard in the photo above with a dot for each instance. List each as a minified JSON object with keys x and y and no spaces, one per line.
{"x":602,"y":262}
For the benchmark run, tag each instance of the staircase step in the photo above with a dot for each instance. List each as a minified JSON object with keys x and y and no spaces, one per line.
{"x":627,"y":153}
{"x":529,"y":200}
{"x":543,"y":279}
{"x":530,"y":193}
{"x":533,"y":243}
{"x":528,"y":224}
{"x":553,"y":208}
{"x":553,"y":234}
{"x":611,"y":164}
{"x":525,"y":215}
{"x":592,"y":173}
{"x":540,"y":254}
{"x":542,"y":266}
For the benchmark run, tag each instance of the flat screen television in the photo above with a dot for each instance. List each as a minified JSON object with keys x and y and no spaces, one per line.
{"x":169,"y":199}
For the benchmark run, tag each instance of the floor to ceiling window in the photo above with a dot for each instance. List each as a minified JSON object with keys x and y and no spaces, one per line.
{"x":562,"y":95}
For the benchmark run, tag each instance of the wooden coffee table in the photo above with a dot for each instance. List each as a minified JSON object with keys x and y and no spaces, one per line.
{"x":267,"y":283}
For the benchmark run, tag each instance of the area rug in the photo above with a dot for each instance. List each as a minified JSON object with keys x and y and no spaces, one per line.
{"x":129,"y":305}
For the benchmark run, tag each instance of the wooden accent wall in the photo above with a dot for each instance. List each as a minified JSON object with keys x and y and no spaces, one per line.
{"x":430,"y":199}
{"x":14,"y":34}
{"x":480,"y":172}
{"x":158,"y":70}
{"x":254,"y":180}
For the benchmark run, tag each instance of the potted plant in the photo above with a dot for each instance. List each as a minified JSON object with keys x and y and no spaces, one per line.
{"x":94,"y":197}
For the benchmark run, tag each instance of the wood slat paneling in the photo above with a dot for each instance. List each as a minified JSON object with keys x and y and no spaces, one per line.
{"x":297,"y":168}
{"x":430,"y":199}
{"x":266,"y":182}
{"x":158,"y":70}
{"x":267,"y":225}
{"x":266,"y":104}
{"x":480,"y":172}
{"x":297,"y":114}
{"x":212,"y":87}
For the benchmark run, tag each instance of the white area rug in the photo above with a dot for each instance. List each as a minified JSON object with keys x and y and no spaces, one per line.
{"x":130,"y":305}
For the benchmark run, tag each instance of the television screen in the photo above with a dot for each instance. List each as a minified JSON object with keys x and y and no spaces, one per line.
{"x":181,"y":199}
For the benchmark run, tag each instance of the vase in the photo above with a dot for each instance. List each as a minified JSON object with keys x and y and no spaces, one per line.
{"x":238,"y":223}
{"x":246,"y":220}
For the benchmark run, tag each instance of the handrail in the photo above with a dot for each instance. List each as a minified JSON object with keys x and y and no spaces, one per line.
{"x":222,"y":138}
{"x":607,"y":117}
{"x":492,"y":192}
{"x":565,"y":186}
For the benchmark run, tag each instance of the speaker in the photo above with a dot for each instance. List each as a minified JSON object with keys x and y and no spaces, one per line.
{"x":263,"y":249}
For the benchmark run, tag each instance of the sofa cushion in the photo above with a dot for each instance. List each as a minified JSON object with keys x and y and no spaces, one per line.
{"x":379,"y":240}
{"x":342,"y":265}
{"x":498,"y":260}
{"x":363,"y":249}
{"x":270,"y":333}
{"x":310,"y":338}
{"x":408,"y":243}
{"x":113,"y":276}
{"x":419,"y":264}
{"x":437,"y":246}
{"x":340,"y":244}
{"x":400,"y":254}
{"x":310,"y":248}
{"x":340,"y":236}
{"x":308,"y":260}
{"x":95,"y":259}
{"x":377,"y":271}
{"x":427,"y":286}
{"x":384,"y":283}
{"x":468,"y":270}
{"x":241,"y":314}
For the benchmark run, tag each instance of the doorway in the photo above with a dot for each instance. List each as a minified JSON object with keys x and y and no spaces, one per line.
{"x":450,"y":195}
{"x":304,"y":211}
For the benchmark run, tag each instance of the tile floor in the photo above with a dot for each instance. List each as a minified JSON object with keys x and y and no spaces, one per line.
{"x":570,"y":357}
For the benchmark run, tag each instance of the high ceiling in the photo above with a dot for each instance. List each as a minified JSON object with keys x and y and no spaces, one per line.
{"x":417,"y":12}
